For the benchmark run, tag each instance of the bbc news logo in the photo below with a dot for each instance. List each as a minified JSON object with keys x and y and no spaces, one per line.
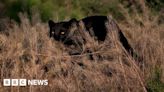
{"x":23,"y":82}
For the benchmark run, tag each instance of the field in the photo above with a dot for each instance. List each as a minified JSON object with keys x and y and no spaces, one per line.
{"x":26,"y":51}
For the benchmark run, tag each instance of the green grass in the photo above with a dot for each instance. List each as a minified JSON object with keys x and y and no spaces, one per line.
{"x":154,"y":83}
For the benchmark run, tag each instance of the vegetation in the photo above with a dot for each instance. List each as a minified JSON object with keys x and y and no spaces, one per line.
{"x":27,"y":52}
{"x":63,"y":9}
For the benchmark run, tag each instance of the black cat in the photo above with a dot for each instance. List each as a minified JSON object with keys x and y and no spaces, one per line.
{"x":61,"y":31}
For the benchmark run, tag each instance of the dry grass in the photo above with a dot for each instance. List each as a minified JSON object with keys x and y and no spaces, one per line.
{"x":26,"y":51}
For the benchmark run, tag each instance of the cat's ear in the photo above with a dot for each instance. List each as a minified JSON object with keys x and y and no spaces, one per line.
{"x":73,"y":21}
{"x":51,"y":23}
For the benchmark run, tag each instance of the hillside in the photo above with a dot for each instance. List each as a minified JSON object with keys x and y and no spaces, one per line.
{"x":26,"y":51}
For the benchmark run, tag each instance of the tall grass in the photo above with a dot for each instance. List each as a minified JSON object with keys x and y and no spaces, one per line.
{"x":27,"y":52}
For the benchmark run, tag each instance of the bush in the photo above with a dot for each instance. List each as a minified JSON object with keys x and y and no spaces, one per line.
{"x":156,"y":5}
{"x":62,"y":9}
{"x":154,"y":83}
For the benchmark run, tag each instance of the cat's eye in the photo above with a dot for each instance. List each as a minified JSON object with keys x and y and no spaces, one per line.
{"x":53,"y":32}
{"x":62,"y":33}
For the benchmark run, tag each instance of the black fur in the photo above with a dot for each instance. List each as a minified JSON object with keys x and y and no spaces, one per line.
{"x":60,"y":31}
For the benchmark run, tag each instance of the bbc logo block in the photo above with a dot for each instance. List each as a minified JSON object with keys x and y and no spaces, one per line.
{"x":14,"y":82}
{"x":6,"y":82}
{"x":22,"y":82}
